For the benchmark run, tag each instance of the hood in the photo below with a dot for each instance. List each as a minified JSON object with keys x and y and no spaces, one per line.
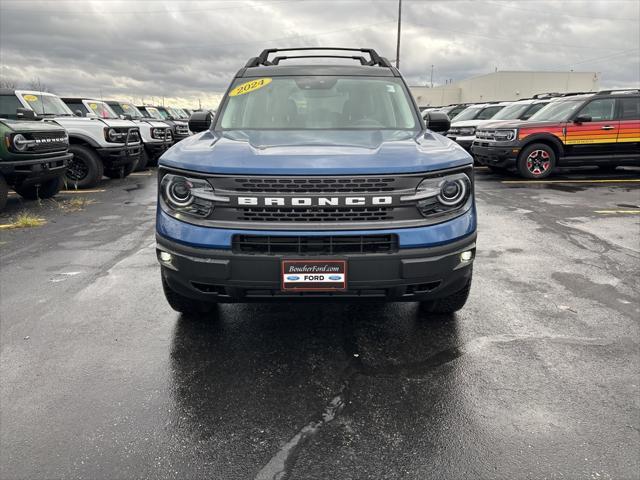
{"x":470,"y":123}
{"x":319,"y":152}
{"x":521,"y":124}
{"x":118,"y":123}
{"x":32,"y":126}
{"x":154,"y":123}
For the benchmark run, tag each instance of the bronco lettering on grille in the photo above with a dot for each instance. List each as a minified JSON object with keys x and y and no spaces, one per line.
{"x":314,"y":201}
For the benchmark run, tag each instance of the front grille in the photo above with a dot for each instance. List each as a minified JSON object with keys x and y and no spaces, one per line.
{"x":298,"y":215}
{"x":48,"y":141}
{"x":182,"y":130}
{"x":315,"y":185}
{"x":314,"y":245}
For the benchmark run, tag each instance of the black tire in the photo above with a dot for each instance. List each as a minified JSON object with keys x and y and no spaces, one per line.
{"x":48,"y":189}
{"x":186,"y":305}
{"x":85,"y":168}
{"x":120,"y":172}
{"x":607,"y":168}
{"x":4,"y":193}
{"x":536,"y":161}
{"x":450,"y":304}
{"x":143,"y":161}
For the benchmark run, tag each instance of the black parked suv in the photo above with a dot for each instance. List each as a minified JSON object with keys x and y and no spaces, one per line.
{"x":601,"y":129}
{"x":179,"y":128}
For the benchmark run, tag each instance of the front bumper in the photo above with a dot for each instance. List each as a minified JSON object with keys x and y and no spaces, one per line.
{"x":407,"y":275}
{"x":26,"y":172}
{"x":118,"y":156}
{"x":156,"y":149}
{"x":503,"y":156}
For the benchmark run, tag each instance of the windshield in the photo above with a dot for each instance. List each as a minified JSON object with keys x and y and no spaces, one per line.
{"x":163,"y":113}
{"x":154,"y":113}
{"x":46,"y":104}
{"x":511,"y":112}
{"x":101,"y":109}
{"x":129,"y":109}
{"x":178,"y":113}
{"x":557,"y":111}
{"x":467,"y":114}
{"x":310,"y":103}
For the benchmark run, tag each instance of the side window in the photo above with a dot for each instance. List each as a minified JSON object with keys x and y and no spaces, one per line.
{"x":77,"y":106}
{"x":8,"y":106}
{"x":599,"y":110}
{"x":533,"y":109}
{"x":489,"y":112}
{"x":629,"y":108}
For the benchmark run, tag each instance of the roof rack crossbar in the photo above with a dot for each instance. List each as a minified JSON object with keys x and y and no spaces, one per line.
{"x":361,"y":59}
{"x":263,"y":58}
{"x":558,"y":94}
{"x":618,"y":90}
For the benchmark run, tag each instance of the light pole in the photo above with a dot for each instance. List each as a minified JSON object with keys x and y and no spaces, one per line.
{"x":431,"y":76}
{"x":398,"y":39}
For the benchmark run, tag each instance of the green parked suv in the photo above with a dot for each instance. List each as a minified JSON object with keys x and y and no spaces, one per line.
{"x":33,"y":158}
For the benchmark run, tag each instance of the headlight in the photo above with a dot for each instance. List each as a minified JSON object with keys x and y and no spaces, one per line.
{"x":112,"y":135}
{"x":467,"y":131}
{"x":440,"y":195}
{"x":20,"y":143}
{"x":505,"y":135}
{"x":192,"y":196}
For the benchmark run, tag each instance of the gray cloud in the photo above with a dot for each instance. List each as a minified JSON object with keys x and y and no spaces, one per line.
{"x":189,"y":50}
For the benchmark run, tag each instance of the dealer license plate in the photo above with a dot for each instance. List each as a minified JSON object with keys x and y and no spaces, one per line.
{"x":314,"y":275}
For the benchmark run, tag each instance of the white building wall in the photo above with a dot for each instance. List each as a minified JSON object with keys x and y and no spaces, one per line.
{"x":506,"y":86}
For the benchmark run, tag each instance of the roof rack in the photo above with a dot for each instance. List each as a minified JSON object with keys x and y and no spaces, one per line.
{"x":263,"y":58}
{"x":619,"y":90}
{"x":276,"y":61}
{"x":558,"y":94}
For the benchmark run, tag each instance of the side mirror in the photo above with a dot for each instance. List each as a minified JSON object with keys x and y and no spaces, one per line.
{"x":79,"y":113}
{"x":582,"y":119}
{"x":25,"y":114}
{"x":126,"y":117}
{"x":437,"y":121}
{"x":200,"y":121}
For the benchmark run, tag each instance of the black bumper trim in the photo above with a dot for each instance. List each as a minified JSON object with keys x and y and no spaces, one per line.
{"x":408,"y":275}
{"x":119,"y":156}
{"x":35,"y":170}
{"x":498,"y":156}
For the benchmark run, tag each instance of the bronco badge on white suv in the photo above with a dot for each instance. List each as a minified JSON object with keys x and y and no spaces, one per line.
{"x":99,"y":145}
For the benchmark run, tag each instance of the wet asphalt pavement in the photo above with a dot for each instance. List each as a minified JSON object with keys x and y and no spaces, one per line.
{"x":538,"y":377}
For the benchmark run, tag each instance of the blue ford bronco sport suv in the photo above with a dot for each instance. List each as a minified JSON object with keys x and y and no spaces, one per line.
{"x":316,"y":182}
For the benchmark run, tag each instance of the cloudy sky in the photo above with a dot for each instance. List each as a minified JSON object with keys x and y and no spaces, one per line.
{"x":189,"y":50}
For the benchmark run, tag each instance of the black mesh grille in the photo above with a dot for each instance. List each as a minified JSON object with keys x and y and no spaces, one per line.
{"x":367,"y":214}
{"x":315,"y":185}
{"x":48,"y":141}
{"x":314,"y":245}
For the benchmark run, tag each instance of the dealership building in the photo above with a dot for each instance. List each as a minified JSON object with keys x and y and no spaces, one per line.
{"x":507,"y":85}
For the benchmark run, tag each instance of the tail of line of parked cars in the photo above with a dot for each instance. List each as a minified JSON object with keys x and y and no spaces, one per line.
{"x":537,"y":135}
{"x":50,"y":142}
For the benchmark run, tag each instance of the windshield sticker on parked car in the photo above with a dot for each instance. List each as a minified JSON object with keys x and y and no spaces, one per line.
{"x":30,"y":98}
{"x":250,"y":86}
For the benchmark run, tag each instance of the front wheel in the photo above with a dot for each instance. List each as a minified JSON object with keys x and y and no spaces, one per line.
{"x":47,"y":189}
{"x":449,"y":304}
{"x":143,"y":161}
{"x":186,"y":305}
{"x":536,"y":161}
{"x":85,"y":169}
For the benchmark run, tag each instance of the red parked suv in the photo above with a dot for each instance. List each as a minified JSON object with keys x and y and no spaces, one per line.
{"x":600,"y":129}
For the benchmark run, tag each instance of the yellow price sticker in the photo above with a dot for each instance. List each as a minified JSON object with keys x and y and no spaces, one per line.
{"x":93,"y":106}
{"x":30,"y":98}
{"x":250,"y":86}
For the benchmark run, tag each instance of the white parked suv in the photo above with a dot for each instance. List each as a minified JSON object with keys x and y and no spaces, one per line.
{"x":100,"y":146}
{"x":156,"y":135}
{"x":463,"y":125}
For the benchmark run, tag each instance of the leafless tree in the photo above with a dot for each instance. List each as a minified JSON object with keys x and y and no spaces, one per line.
{"x":36,"y":84}
{"x":8,"y":83}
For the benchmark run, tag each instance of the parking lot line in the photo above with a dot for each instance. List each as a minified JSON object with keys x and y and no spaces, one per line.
{"x":83,"y":191}
{"x":627,"y":180}
{"x":632,"y":212}
{"x":140,"y":174}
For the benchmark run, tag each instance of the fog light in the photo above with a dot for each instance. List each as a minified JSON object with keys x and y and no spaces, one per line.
{"x":166,"y":257}
{"x":466,"y":256}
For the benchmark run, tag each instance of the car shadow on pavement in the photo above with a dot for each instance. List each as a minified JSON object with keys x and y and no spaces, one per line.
{"x":247,"y":379}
